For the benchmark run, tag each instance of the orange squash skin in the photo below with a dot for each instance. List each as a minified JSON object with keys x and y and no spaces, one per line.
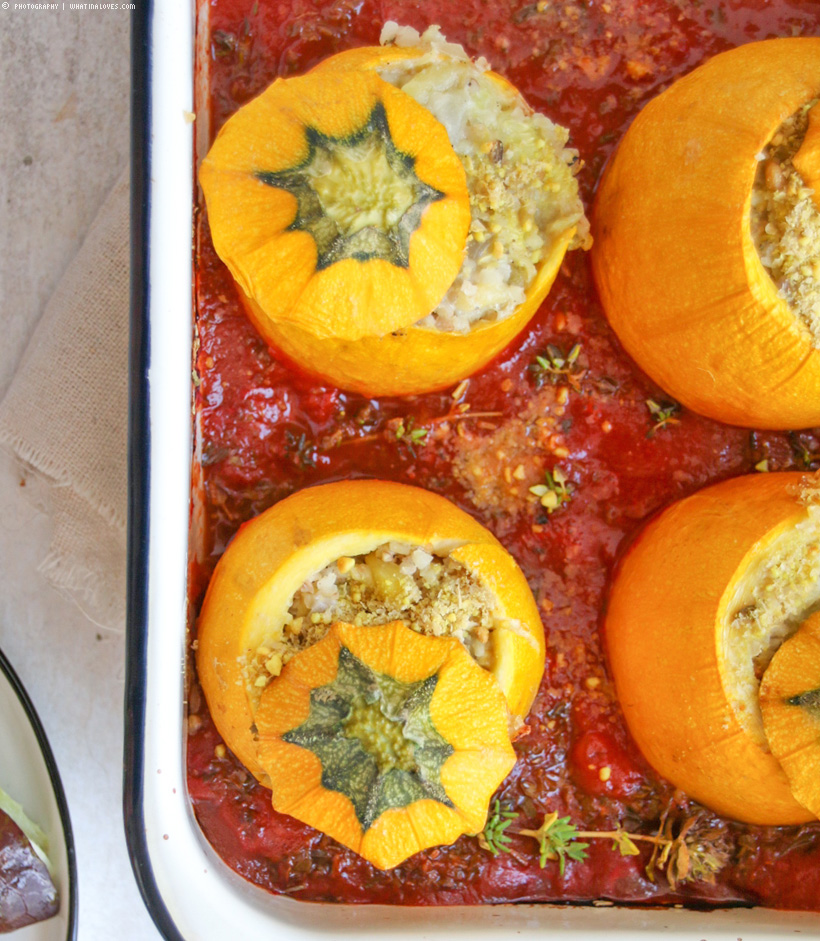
{"x":792,"y":732}
{"x":409,"y":360}
{"x":661,"y":625}
{"x":673,"y":257}
{"x":252,"y":223}
{"x":467,"y":708}
{"x":306,"y":531}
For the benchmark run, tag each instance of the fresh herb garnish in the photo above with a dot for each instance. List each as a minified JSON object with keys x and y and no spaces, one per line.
{"x":555,"y":492}
{"x":494,"y":836}
{"x":688,"y":855}
{"x":662,"y":414}
{"x":224,"y":44}
{"x":407,"y":433}
{"x":804,"y":450}
{"x":554,"y":366}
{"x":302,"y":451}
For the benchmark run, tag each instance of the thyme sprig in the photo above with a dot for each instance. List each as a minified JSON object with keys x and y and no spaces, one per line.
{"x":690,"y":854}
{"x":403,"y":431}
{"x":554,"y":366}
{"x":556,"y":492}
{"x":662,"y":414}
{"x":409,"y":434}
{"x":494,"y":836}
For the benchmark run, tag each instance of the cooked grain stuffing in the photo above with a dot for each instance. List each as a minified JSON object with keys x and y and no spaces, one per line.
{"x":786,"y":222}
{"x":773,"y":599}
{"x":520,"y":176}
{"x":433,"y":593}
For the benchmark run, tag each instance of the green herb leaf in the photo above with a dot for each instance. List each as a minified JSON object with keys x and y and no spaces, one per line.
{"x":554,"y":366}
{"x":406,"y":433}
{"x":662,"y":415}
{"x":302,"y":451}
{"x":624,"y":843}
{"x":804,"y":449}
{"x":494,"y":836}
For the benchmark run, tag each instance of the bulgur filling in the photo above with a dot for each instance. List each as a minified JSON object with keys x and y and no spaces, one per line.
{"x":777,"y":595}
{"x":434,"y":594}
{"x":785,"y":222}
{"x":520,"y":177}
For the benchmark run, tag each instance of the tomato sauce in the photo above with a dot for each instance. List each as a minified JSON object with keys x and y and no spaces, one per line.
{"x":267,"y":430}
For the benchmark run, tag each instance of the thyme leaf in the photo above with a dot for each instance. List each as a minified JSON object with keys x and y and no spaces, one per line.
{"x":223,"y":43}
{"x":408,"y":434}
{"x":557,"y":838}
{"x":302,"y":451}
{"x":801,"y":447}
{"x":494,"y":836}
{"x":662,"y":414}
{"x":692,"y":854}
{"x":554,"y":366}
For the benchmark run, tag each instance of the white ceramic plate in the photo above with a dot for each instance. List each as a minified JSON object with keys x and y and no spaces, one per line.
{"x":29,"y":775}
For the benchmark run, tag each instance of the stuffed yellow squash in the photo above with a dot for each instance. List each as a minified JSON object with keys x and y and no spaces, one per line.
{"x":338,"y":561}
{"x":710,"y":592}
{"x":394,"y":217}
{"x":707,"y":236}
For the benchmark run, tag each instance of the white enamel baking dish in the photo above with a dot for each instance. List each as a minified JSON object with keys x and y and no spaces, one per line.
{"x":190,"y":893}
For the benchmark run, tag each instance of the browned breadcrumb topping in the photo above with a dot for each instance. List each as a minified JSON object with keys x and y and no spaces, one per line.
{"x":499,"y":468}
{"x":785,"y":222}
{"x":435,"y":594}
{"x":808,"y":491}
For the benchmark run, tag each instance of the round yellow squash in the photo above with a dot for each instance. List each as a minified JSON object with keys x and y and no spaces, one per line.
{"x":387,"y":740}
{"x":685,"y":610}
{"x":401,"y":358}
{"x":273,"y":555}
{"x":339,"y":206}
{"x":674,"y":259}
{"x":411,"y":360}
{"x":414,"y":359}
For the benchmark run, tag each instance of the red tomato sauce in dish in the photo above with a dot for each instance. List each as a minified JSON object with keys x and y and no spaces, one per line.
{"x":625,"y":449}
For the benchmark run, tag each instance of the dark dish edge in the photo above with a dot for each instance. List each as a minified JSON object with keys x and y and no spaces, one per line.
{"x":139,"y":455}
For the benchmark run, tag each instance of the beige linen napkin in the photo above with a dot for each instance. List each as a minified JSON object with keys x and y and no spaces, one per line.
{"x":65,"y":416}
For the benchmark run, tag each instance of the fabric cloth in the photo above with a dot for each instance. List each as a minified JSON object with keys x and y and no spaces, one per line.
{"x":65,"y":416}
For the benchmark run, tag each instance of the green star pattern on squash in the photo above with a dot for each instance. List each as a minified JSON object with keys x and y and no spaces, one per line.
{"x":375,"y":739}
{"x":358,"y":196}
